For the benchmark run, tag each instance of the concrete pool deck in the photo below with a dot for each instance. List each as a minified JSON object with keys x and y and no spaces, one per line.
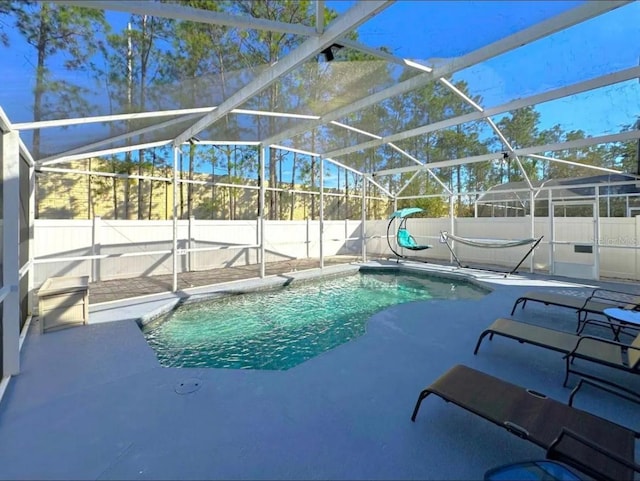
{"x":92,"y":402}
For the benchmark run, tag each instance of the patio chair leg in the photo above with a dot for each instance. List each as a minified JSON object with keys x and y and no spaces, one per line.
{"x":518,"y":301}
{"x":423,"y":395}
{"x":615,"y":329}
{"x":567,"y":371}
{"x":484,"y":333}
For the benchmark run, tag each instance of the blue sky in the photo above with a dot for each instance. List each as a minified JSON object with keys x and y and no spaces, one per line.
{"x":435,"y":30}
{"x":441,"y":30}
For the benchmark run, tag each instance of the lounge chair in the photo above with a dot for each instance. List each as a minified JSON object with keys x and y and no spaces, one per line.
{"x":593,"y":445}
{"x":607,"y":352}
{"x":596,"y":302}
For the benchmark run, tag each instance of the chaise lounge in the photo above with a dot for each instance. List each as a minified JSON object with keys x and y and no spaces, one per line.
{"x":598,"y":300}
{"x":595,"y":349}
{"x":593,"y":445}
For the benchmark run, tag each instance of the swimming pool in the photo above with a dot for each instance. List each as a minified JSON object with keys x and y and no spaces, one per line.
{"x":282,"y":328}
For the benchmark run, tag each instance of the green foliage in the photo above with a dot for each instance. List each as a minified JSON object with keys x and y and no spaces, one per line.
{"x":52,"y":30}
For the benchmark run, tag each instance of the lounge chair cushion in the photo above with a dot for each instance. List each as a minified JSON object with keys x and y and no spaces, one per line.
{"x":557,"y":340}
{"x":537,"y":418}
{"x":573,"y":302}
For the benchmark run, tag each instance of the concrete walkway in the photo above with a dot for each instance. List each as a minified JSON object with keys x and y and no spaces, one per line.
{"x":93,"y":403}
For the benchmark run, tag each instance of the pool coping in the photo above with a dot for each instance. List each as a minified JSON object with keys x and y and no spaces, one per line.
{"x":146,"y":309}
{"x":158,"y":305}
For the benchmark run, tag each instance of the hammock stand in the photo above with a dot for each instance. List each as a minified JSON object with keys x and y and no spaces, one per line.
{"x":403,"y":238}
{"x":490,"y":243}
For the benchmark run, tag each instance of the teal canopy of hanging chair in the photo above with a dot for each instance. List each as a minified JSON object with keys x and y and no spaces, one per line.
{"x":405,"y":212}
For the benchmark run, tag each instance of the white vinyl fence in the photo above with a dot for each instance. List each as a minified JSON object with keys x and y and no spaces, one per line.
{"x":619,"y":241}
{"x":143,"y":248}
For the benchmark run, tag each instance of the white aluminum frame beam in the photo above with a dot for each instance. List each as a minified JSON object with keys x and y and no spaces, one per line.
{"x":44,"y":124}
{"x":573,"y":144}
{"x":174,"y":218}
{"x":383,"y":189}
{"x":291,"y":149}
{"x":319,"y":16}
{"x":187,"y":181}
{"x":577,"y":88}
{"x":347,"y":22}
{"x":491,"y":123}
{"x":429,"y":171}
{"x":264,"y":151}
{"x":99,"y":153}
{"x":5,"y":123}
{"x":151,"y":128}
{"x":24,"y":152}
{"x":180,"y":12}
{"x":321,"y":214}
{"x":10,"y":338}
{"x":177,"y":12}
{"x":580,"y":87}
{"x":543,"y":29}
{"x":578,"y":164}
{"x":82,"y":150}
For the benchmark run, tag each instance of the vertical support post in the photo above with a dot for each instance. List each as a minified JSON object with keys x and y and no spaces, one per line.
{"x":395,"y":224}
{"x":174,"y":250}
{"x":475,"y":208}
{"x":552,"y":234}
{"x":95,"y":240}
{"x":452,"y":227}
{"x":321,"y":225}
{"x":626,"y":202}
{"x":532,"y":214}
{"x":10,"y":152}
{"x":189,"y":242}
{"x":346,"y":235}
{"x":596,"y":232}
{"x":308,"y":237}
{"x":261,"y":180}
{"x":364,"y":219}
{"x":32,"y":230}
{"x":258,"y":237}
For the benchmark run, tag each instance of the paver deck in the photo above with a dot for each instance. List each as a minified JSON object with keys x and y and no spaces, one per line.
{"x":112,"y":290}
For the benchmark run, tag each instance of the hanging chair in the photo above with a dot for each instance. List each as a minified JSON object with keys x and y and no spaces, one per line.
{"x":403,"y":238}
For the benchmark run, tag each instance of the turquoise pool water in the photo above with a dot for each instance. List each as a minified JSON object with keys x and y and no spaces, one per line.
{"x":282,"y":328}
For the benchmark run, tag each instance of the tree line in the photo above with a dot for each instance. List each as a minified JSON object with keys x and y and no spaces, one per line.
{"x":150,"y":63}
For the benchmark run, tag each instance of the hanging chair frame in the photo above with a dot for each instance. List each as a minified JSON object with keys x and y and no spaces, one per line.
{"x":403,"y":226}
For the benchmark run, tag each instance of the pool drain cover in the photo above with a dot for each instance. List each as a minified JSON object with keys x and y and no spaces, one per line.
{"x":188,"y":386}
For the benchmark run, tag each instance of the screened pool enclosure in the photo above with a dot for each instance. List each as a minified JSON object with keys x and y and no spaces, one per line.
{"x":289,"y":135}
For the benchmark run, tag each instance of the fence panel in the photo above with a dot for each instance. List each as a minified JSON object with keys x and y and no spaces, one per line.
{"x":300,"y":239}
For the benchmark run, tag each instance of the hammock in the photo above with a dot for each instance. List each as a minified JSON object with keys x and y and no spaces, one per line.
{"x":490,"y":243}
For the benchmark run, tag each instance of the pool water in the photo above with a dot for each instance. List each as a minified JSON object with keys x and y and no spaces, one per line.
{"x":282,"y":328}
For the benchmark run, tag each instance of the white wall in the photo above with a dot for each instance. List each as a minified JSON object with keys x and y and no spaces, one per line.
{"x":300,"y":239}
{"x":284,"y":240}
{"x":619,"y":241}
